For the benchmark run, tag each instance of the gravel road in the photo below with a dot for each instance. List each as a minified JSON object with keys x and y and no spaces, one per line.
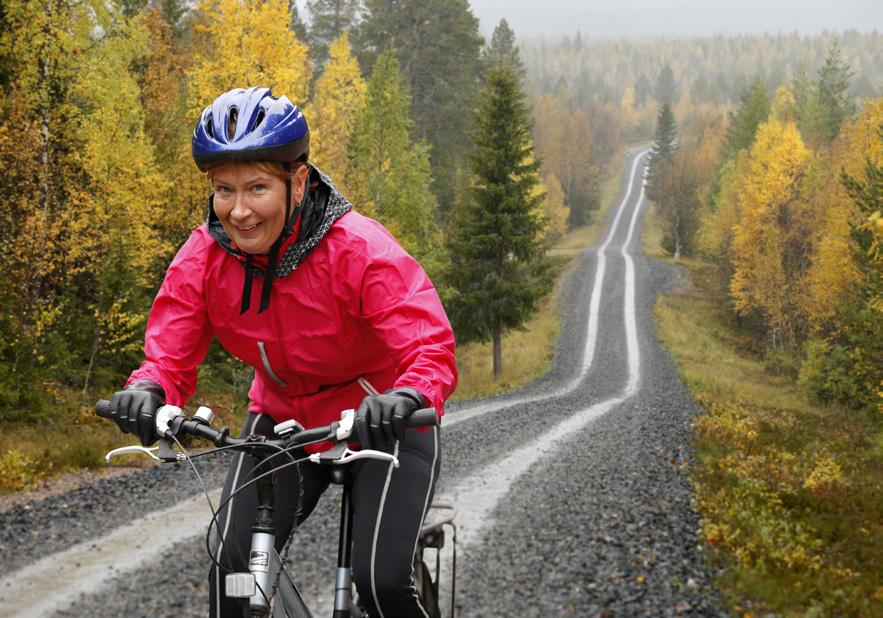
{"x":585,"y":506}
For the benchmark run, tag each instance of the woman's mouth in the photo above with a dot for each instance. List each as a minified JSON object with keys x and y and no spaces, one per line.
{"x":247,"y":229}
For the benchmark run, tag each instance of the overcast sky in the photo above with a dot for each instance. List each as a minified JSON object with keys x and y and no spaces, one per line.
{"x":678,"y":17}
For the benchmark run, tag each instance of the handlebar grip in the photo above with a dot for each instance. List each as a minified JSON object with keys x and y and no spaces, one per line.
{"x":427,"y":417}
{"x":102,"y":408}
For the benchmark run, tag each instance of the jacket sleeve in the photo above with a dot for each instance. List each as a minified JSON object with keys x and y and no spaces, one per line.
{"x":178,"y":329}
{"x":404,"y":311}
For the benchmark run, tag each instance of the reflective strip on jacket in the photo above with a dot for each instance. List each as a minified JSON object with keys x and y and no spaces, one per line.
{"x":359,"y":306}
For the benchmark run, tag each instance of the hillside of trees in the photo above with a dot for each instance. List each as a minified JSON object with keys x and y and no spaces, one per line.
{"x":785,"y":198}
{"x":98,"y":100}
{"x":695,"y":75}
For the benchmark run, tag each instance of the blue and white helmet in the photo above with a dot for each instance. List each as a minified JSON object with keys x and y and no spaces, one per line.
{"x":250,"y":125}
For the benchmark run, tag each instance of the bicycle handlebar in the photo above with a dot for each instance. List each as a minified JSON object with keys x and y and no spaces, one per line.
{"x":175,"y":422}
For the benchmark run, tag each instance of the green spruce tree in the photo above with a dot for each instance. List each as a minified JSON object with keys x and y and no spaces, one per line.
{"x":754,"y":109}
{"x":832,"y":89}
{"x":662,"y":152}
{"x":498,"y":272}
{"x":504,"y":49}
{"x":329,"y":19}
{"x":666,"y":89}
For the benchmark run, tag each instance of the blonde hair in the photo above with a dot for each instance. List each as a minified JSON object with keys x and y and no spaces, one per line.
{"x":271,"y":167}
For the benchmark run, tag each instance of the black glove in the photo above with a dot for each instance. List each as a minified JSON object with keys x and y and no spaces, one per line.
{"x":380,"y":419}
{"x":134,"y":409}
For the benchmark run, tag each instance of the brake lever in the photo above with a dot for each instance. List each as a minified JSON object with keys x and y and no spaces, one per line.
{"x":163,"y":449}
{"x":342,"y":454}
{"x":132,"y":450}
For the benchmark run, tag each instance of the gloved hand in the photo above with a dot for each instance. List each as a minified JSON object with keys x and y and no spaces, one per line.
{"x":380,"y":419}
{"x":134,"y":409}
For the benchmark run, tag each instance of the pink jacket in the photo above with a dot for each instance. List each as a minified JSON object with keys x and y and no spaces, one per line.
{"x":359,"y":306}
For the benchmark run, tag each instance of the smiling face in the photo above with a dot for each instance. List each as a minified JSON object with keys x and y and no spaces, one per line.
{"x":250,"y":202}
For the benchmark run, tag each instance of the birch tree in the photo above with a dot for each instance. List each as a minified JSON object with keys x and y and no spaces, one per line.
{"x":340,"y":97}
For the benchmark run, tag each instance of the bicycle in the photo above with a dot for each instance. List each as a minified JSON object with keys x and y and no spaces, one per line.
{"x":268,"y":586}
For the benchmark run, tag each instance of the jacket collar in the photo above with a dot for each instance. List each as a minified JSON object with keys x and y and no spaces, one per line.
{"x":323,"y":205}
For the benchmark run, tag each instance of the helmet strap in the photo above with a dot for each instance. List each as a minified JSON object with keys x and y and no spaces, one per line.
{"x":287,"y":230}
{"x":249,"y":277}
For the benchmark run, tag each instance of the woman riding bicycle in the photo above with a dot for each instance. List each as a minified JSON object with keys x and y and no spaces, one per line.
{"x":345,"y":319}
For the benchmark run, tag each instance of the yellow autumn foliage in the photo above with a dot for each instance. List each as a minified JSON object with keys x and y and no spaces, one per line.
{"x":247,"y":43}
{"x":834,"y":271}
{"x":554,"y":208}
{"x":339,"y":97}
{"x":769,"y":240}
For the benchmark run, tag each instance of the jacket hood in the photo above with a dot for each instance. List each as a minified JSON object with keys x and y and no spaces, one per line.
{"x":323,"y":205}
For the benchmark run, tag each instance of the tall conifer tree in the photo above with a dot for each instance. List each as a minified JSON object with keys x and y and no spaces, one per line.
{"x":754,"y":109}
{"x":329,"y":20}
{"x":661,"y":153}
{"x":833,"y":93}
{"x":503,"y":48}
{"x":497,"y":267}
{"x":666,"y":90}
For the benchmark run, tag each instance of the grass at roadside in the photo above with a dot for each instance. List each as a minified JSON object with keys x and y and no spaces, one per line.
{"x":788,"y":489}
{"x":30,"y":454}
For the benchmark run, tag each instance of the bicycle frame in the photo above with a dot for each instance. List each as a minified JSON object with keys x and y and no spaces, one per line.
{"x":266,"y":567}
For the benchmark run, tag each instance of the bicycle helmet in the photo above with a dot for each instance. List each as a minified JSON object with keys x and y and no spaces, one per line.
{"x":250,"y":125}
{"x":253,"y":125}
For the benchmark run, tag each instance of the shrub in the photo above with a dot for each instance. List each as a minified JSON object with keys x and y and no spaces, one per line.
{"x":828,"y":372}
{"x":18,"y":472}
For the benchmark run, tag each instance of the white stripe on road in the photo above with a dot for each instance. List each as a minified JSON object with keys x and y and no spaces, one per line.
{"x":631,"y":323}
{"x":53,"y":583}
{"x":478,"y":495}
{"x":594,"y":309}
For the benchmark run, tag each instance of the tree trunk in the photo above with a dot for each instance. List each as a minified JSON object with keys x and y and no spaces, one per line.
{"x":95,"y":342}
{"x":677,"y":238}
{"x":44,"y":120}
{"x":498,"y":350}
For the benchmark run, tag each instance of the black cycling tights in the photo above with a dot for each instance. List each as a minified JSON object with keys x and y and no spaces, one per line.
{"x":389,"y":503}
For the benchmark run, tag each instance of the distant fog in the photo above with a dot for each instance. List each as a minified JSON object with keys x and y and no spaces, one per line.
{"x":654,"y":18}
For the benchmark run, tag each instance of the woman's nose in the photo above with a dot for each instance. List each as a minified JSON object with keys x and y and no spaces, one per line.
{"x":241,"y":208}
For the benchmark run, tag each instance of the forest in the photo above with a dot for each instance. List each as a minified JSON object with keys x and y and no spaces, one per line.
{"x":785,"y":199}
{"x":98,"y":99}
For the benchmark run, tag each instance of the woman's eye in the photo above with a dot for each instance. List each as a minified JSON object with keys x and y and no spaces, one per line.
{"x":223,"y":190}
{"x":259,"y":187}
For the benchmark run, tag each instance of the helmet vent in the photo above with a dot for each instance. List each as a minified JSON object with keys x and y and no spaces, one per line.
{"x":208,"y":127}
{"x":231,"y":122}
{"x":258,"y":120}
